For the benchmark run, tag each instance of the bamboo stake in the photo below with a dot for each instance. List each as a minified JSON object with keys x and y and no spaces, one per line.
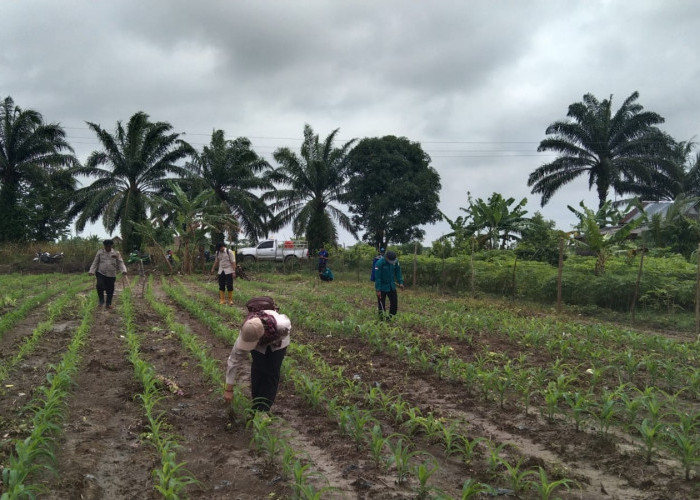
{"x":559,"y":272}
{"x":697,"y":297}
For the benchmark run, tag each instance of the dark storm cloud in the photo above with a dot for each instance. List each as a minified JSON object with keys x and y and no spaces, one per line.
{"x":475,"y":82}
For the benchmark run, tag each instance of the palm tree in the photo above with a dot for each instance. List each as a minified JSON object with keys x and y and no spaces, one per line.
{"x":619,"y":151}
{"x":32,"y":156}
{"x":680,"y":177}
{"x":138,"y":159}
{"x":316,"y":178}
{"x":230,"y":169}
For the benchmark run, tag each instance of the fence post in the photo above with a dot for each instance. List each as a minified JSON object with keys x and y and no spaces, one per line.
{"x":697,"y":297}
{"x":559,"y":270}
{"x":415,"y":258}
{"x":636,"y":286}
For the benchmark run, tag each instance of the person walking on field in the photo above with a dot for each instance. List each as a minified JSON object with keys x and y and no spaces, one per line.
{"x":322,"y":259}
{"x":387,"y":273}
{"x":265,"y":335}
{"x":226,"y":261}
{"x":105,"y":266}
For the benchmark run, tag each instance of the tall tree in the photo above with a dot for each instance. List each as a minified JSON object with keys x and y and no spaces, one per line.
{"x":680,"y":177}
{"x":34,"y":158}
{"x":232,"y":169}
{"x":617,"y":151}
{"x":316,"y":178}
{"x":392,"y":190}
{"x":137,"y":161}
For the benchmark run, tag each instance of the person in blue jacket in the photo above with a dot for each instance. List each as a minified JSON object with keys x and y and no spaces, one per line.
{"x":322,"y":259}
{"x":374,"y":262}
{"x":387,"y":274}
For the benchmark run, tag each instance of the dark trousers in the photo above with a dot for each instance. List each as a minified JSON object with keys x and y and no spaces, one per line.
{"x":393,"y":302}
{"x":105,"y":284}
{"x":225,"y":282}
{"x":265,"y":377}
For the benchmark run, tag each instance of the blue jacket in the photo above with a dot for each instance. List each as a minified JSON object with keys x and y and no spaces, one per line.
{"x":385,"y":275}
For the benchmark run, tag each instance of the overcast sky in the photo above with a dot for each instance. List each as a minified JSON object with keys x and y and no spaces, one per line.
{"x":475,"y":82}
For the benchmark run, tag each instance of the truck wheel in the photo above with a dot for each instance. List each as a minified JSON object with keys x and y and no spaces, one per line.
{"x":290,"y":259}
{"x":249,"y":258}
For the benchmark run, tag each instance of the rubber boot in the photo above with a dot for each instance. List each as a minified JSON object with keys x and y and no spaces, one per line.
{"x":221,"y":297}
{"x":230,"y":298}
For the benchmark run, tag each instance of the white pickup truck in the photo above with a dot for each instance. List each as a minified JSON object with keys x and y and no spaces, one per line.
{"x":278,"y":250}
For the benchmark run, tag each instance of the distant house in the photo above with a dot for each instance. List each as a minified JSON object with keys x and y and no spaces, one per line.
{"x":651,"y":209}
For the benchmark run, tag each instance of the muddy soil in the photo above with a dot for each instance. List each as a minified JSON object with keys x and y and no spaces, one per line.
{"x":103,"y":451}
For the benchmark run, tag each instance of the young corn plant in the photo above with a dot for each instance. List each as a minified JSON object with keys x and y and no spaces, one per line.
{"x":471,"y":488}
{"x":377,"y":444}
{"x":423,"y":472}
{"x":494,"y":457}
{"x":685,"y":445}
{"x":517,"y":477}
{"x":650,"y":433}
{"x":552,"y":396}
{"x":604,"y":411}
{"x":579,"y":404}
{"x":354,"y":422}
{"x":544,"y":487}
{"x":450,"y":438}
{"x":467,"y":448}
{"x":400,"y":457}
{"x":172,"y":477}
{"x":302,"y":487}
{"x":289,"y":457}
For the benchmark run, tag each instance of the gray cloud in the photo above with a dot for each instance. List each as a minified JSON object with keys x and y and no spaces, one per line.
{"x":475,"y":82}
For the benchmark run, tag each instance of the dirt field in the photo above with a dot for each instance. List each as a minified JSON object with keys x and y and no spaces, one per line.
{"x":103,"y":450}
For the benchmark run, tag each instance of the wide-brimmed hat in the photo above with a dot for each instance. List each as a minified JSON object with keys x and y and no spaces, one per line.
{"x":390,"y":257}
{"x":251,"y":332}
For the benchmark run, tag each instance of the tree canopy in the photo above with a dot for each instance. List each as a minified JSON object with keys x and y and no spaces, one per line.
{"x":314,"y":180}
{"x":35,"y":182}
{"x":138,"y":160}
{"x":619,"y":151}
{"x":234,"y":171}
{"x":392,"y":190}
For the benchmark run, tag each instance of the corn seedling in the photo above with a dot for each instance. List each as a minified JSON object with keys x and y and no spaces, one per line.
{"x":400,"y":457}
{"x":604,"y":411}
{"x":494,"y":457}
{"x":472,"y":488}
{"x":685,"y":445}
{"x":544,"y":487}
{"x":578,"y":404}
{"x":552,"y":396}
{"x":649,"y":431}
{"x":467,"y":447}
{"x":423,"y":472}
{"x":516,"y":476}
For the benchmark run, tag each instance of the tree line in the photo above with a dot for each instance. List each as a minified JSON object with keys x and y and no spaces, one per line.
{"x":149,"y":183}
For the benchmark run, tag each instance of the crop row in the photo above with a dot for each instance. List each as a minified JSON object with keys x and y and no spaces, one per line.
{"x":36,"y":452}
{"x":391,"y":449}
{"x":269,"y":435}
{"x":651,"y":415}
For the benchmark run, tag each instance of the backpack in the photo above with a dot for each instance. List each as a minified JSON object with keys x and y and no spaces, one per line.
{"x":372,"y":274}
{"x":261,"y":303}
